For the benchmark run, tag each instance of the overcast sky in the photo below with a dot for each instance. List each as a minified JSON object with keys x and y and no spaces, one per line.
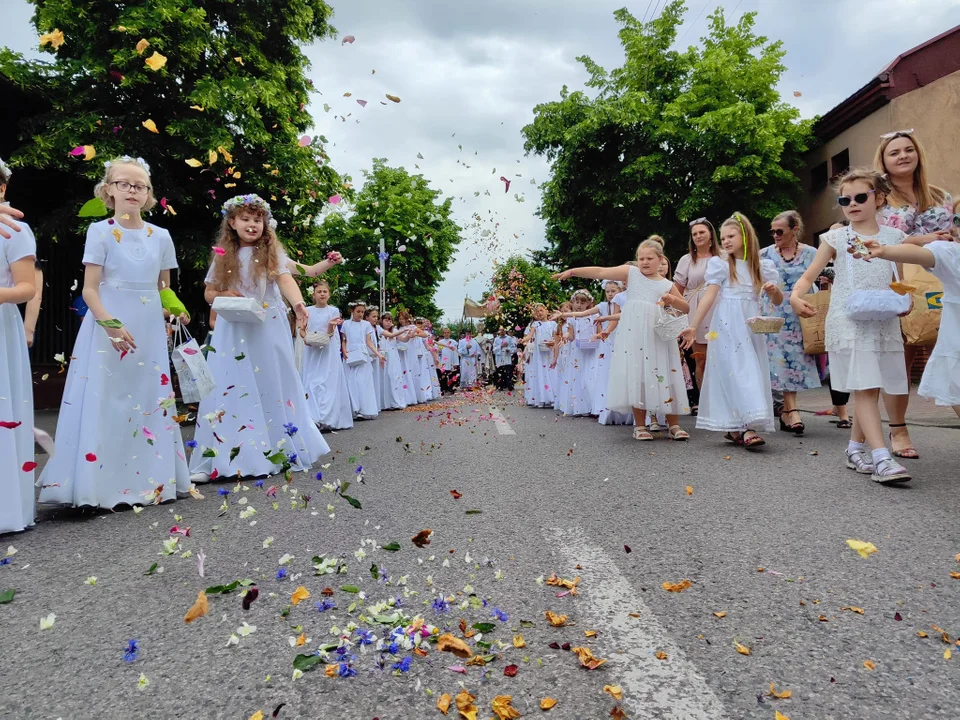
{"x":477,"y":69}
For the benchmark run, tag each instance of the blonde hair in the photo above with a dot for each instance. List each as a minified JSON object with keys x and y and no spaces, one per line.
{"x":657,"y":239}
{"x":927,"y":195}
{"x":109,"y":172}
{"x":794,"y":222}
{"x":583,"y":293}
{"x":751,"y":247}
{"x":654,"y":242}
{"x":715,"y":249}
{"x":266,"y":253}
{"x":877,"y":182}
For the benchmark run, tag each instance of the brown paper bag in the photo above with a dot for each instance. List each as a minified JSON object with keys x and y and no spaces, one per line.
{"x":921,"y":326}
{"x":814,"y":335}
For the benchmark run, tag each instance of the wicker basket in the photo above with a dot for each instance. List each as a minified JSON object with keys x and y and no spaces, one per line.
{"x":765,"y":325}
{"x":670,"y":325}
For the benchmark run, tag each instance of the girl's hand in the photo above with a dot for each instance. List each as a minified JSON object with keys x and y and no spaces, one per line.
{"x":383,"y":360}
{"x":7,"y":215}
{"x":802,"y":308}
{"x":687,"y":338}
{"x":597,"y":336}
{"x":668,"y":300}
{"x":565,"y":275}
{"x":121,"y":339}
{"x":556,"y":316}
{"x":300,"y":309}
{"x":876,"y":249}
{"x":29,"y":338}
{"x":334,"y":257}
{"x":769,"y":288}
{"x":184,"y":319}
{"x":553,"y":365}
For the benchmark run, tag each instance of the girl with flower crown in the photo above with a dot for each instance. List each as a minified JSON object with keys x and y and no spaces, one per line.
{"x":116,"y":443}
{"x":257,"y":421}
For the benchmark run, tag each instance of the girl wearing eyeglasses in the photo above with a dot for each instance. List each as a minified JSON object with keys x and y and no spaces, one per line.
{"x":866,"y":356}
{"x":791,"y":369}
{"x":115,"y":443}
{"x":924,"y":212}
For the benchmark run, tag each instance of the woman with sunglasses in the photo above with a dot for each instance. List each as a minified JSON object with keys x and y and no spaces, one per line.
{"x":791,"y":369}
{"x":690,"y":279}
{"x":925,"y":213}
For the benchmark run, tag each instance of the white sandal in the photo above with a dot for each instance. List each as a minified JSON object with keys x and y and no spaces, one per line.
{"x":678,"y":433}
{"x":641,"y":434}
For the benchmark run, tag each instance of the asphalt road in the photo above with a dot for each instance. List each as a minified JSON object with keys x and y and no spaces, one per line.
{"x":762,"y":540}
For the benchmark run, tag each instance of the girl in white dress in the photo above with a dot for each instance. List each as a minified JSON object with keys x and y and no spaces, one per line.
{"x":372,"y":316}
{"x":866,"y":356}
{"x":426,"y":363}
{"x":574,"y":396}
{"x":539,"y":378}
{"x":562,"y":341}
{"x":322,"y":373}
{"x":433,"y":361}
{"x":941,"y":376}
{"x":645,"y":374}
{"x":358,"y":348}
{"x":735,"y":395}
{"x":17,"y":464}
{"x":408,"y":356}
{"x":256,"y":422}
{"x":116,"y":443}
{"x":393,"y":396}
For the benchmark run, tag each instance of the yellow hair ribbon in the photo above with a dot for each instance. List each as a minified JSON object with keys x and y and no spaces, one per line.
{"x":743,"y":234}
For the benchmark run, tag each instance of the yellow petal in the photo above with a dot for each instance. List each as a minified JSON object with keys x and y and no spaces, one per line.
{"x":169,"y":209}
{"x":590,"y":633}
{"x":198,"y":108}
{"x":615,"y":691}
{"x":677,"y":587}
{"x":782,"y":695}
{"x":779,"y":716}
{"x":547,"y":703}
{"x":712,"y":335}
{"x":142,"y":45}
{"x":955,"y":575}
{"x":155,"y":61}
{"x":556,"y":620}
{"x":947,"y":654}
{"x":852,"y":608}
{"x":200,"y":608}
{"x":721,"y":614}
{"x":869,"y":664}
{"x":302,"y":639}
{"x":660,"y":655}
{"x":449,"y":643}
{"x":331,"y":670}
{"x":226,"y":155}
{"x":393,"y":98}
{"x":89,"y":153}
{"x":518,"y":641}
{"x":742,"y":649}
{"x":443,"y":703}
{"x":150,"y":125}
{"x":258,"y":715}
{"x":211,"y":157}
{"x":239,"y":60}
{"x":863,"y":549}
{"x":117,"y":234}
{"x":922,"y":634}
{"x":465,"y":706}
{"x":193,"y":162}
{"x":301,"y":593}
{"x":229,"y":185}
{"x":689,"y":489}
{"x":53,"y":38}
{"x":502,"y":707}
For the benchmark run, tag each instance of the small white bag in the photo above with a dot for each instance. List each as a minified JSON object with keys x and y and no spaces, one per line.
{"x":239,"y":309}
{"x":587,"y":344}
{"x":316,"y":339}
{"x":670,"y":324}
{"x":196,"y":381}
{"x":866,"y":305}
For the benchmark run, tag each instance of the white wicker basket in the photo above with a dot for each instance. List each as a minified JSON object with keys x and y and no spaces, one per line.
{"x":765,"y":325}
{"x":670,"y":325}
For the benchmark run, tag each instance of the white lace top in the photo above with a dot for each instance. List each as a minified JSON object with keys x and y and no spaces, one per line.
{"x":842,"y":333}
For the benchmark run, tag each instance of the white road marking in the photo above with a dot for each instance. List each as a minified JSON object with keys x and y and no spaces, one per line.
{"x":671,"y":688}
{"x":503,"y":425}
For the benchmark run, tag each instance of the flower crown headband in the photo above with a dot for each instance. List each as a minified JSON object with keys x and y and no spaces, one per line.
{"x":242,"y":201}
{"x":127,"y":159}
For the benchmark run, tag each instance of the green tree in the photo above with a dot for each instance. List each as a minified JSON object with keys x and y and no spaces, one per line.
{"x":516,"y":285}
{"x":211,"y":93}
{"x":420,"y":239}
{"x":668,"y":137}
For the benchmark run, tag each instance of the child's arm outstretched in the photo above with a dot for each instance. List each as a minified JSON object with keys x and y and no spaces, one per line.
{"x":689,"y":335}
{"x":579,"y":314}
{"x":291,"y":293}
{"x":825,"y":253}
{"x":905,"y":253}
{"x":333,"y":258}
{"x":594,"y":272}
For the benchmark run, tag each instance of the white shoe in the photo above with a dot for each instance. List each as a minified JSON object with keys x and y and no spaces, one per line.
{"x":200,"y":478}
{"x":861,"y":461}
{"x":889,"y":472}
{"x":654,"y":426}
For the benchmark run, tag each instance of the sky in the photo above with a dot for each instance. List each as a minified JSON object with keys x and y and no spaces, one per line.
{"x":469,"y":75}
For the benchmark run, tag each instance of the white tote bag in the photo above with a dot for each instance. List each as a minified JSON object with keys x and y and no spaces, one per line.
{"x":196,"y":381}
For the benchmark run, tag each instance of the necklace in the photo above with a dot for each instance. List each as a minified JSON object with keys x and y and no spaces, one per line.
{"x":796,"y":251}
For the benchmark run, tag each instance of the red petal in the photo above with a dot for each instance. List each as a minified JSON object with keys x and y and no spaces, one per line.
{"x":10,"y":424}
{"x":90,"y":457}
{"x":28,"y":466}
{"x":215,"y":474}
{"x":164,"y":380}
{"x":510,"y":670}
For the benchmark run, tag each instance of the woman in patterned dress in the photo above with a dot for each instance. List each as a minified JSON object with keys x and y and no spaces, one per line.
{"x":791,"y":369}
{"x":925,"y":213}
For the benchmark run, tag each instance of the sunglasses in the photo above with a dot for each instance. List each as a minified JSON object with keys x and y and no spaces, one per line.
{"x":698,"y":221}
{"x":859,"y":198}
{"x":897,"y":134}
{"x":776,"y":232}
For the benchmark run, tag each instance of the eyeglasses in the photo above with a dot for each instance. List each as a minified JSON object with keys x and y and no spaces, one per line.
{"x":859,"y":198}
{"x":698,"y":221}
{"x":124,"y":186}
{"x":777,"y":232}
{"x":897,"y":134}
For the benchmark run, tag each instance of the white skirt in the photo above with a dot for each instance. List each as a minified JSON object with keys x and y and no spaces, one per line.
{"x":264,"y":406}
{"x":363,"y":395}
{"x":409,"y":384}
{"x":16,"y":406}
{"x":392,"y":393}
{"x":115,"y":445}
{"x":575,"y":396}
{"x":539,"y":379}
{"x":325,"y":384}
{"x":852,"y":369}
{"x":941,"y":377}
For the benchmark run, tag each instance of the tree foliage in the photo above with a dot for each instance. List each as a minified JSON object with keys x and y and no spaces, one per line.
{"x":516,"y":285}
{"x":668,"y":137}
{"x":420,"y":239}
{"x":211,"y":93}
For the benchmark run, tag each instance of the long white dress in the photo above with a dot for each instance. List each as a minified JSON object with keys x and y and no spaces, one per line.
{"x":735,"y":395}
{"x":601,"y":382}
{"x":375,"y":369}
{"x":116,"y":442}
{"x":363,"y":398}
{"x":540,"y":379}
{"x":259,"y":407}
{"x":16,"y":396}
{"x":408,"y":361}
{"x":584,"y":371}
{"x":941,"y":377}
{"x":469,"y":351}
{"x":393,"y":396}
{"x":323,"y":377}
{"x":645,"y":372}
{"x":863,"y":354}
{"x":432,"y":375}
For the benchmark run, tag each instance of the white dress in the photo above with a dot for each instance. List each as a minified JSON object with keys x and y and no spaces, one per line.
{"x":375,"y":368}
{"x":408,"y":361}
{"x":577,"y":369}
{"x":645,"y":372}
{"x":16,"y":396}
{"x":941,"y":377}
{"x":735,"y":395}
{"x":432,"y":374}
{"x":417,"y":358}
{"x":323,"y":376}
{"x":863,"y":354}
{"x":606,"y":416}
{"x":363,"y":398}
{"x":393,"y":396}
{"x":540,"y":379}
{"x":449,"y":357}
{"x":468,"y":351}
{"x":259,"y":407}
{"x":116,"y":442}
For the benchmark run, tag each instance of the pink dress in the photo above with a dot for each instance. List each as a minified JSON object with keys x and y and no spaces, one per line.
{"x":691,"y":277}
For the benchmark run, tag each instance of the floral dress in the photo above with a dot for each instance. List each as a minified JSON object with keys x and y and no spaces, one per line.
{"x":790,"y":368}
{"x":907,"y":219}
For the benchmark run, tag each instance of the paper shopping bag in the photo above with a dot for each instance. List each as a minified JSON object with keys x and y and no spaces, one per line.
{"x":814,"y":334}
{"x":922,"y":325}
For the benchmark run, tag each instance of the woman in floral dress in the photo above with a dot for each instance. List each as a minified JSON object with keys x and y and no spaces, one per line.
{"x":791,"y":369}
{"x":925,"y":213}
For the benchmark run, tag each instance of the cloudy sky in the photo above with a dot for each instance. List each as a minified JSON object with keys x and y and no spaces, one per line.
{"x":469,"y":74}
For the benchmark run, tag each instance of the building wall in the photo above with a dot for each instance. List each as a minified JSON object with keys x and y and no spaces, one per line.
{"x":933,"y":111}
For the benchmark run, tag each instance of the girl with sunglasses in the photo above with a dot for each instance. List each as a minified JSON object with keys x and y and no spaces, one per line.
{"x":791,"y":369}
{"x":866,"y":356}
{"x":924,"y":212}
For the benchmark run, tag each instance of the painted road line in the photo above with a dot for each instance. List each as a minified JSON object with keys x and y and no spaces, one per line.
{"x":503,"y":425}
{"x":671,"y":688}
